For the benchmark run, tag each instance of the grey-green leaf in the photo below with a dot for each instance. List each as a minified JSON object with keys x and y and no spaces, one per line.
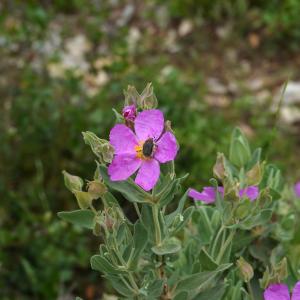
{"x":168,"y":246}
{"x":128,"y":188}
{"x":199,"y":280}
{"x":81,"y":217}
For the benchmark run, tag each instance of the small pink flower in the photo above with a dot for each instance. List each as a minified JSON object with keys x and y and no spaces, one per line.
{"x":142,"y":150}
{"x":208,"y":195}
{"x":280,"y":291}
{"x":297,"y":189}
{"x":129,"y":112}
{"x":251,"y":192}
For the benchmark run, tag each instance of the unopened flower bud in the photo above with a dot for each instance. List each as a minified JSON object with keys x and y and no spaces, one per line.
{"x":219,"y":167}
{"x":281,"y":270}
{"x":109,"y":222}
{"x":148,"y":99}
{"x":131,"y":96}
{"x":73,"y":183}
{"x":84,"y":199}
{"x":129,"y":112}
{"x":245,"y":269}
{"x":239,"y":153}
{"x":97,"y":229}
{"x":277,"y":274}
{"x":101,"y":148}
{"x":97,"y":188}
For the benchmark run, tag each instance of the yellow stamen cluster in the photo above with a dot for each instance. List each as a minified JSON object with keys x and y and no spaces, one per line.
{"x":139,"y":151}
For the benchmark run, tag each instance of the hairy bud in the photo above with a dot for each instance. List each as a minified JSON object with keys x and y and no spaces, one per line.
{"x":219,"y":167}
{"x":148,"y":99}
{"x":72,"y":182}
{"x":245,"y":269}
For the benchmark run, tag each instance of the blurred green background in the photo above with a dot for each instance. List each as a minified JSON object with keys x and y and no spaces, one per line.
{"x":214,"y":64}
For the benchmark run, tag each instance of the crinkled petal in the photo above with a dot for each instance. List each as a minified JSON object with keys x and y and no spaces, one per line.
{"x":208,"y":195}
{"x":123,"y":166}
{"x":250,"y":192}
{"x":296,"y":291}
{"x":123,"y":139}
{"x":297,"y":189}
{"x":149,"y":124}
{"x":148,"y":174}
{"x":166,"y":148}
{"x":277,"y":292}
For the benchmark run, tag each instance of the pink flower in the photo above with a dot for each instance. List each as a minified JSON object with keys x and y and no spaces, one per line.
{"x":208,"y":195}
{"x":142,"y":150}
{"x":280,"y":291}
{"x":129,"y":112}
{"x":297,"y":189}
{"x":251,"y":192}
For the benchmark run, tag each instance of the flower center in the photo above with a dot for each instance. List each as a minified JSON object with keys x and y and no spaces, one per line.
{"x":145,"y":149}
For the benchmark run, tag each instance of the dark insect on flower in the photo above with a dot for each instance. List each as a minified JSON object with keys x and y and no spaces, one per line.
{"x":148,"y":148}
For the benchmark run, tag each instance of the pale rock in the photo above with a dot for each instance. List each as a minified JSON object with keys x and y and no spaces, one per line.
{"x":185,"y":27}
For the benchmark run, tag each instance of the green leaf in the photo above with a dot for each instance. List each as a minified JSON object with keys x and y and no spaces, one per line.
{"x":199,"y":280}
{"x":182,"y":296}
{"x":147,"y":220}
{"x":120,"y":286}
{"x":168,"y":246}
{"x":140,"y":238}
{"x":167,"y":195}
{"x":170,"y":218}
{"x":128,"y":188}
{"x":100,"y":263}
{"x":216,"y":293}
{"x":155,"y":288}
{"x":185,"y":218}
{"x":206,"y":261}
{"x":83,"y":218}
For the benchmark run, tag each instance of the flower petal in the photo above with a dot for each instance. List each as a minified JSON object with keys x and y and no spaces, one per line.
{"x":208,"y":195}
{"x":250,"y":192}
{"x":166,"y":148}
{"x":297,"y":189}
{"x":296,"y":291}
{"x":277,"y":292}
{"x":123,"y":166}
{"x":149,"y":124}
{"x":148,"y":174}
{"x":122,"y":139}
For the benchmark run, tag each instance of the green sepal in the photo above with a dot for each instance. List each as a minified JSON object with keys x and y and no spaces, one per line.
{"x":84,"y":199}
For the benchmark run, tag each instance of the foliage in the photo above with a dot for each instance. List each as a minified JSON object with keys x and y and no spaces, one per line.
{"x":42,"y":116}
{"x":176,"y":251}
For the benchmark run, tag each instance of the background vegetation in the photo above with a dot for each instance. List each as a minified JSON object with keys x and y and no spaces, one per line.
{"x":214,"y":65}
